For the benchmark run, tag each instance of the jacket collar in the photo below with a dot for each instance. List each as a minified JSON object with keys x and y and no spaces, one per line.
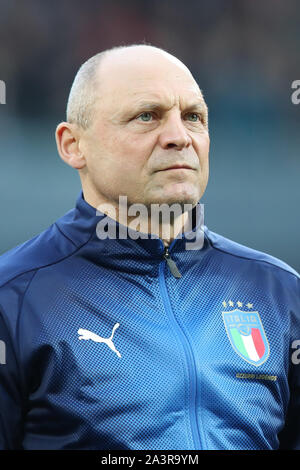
{"x":82,"y":224}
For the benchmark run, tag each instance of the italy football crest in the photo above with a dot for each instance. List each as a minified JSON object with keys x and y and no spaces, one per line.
{"x":247,"y":336}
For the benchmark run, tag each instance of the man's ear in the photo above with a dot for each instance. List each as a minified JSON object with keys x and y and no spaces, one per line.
{"x":67,"y":141}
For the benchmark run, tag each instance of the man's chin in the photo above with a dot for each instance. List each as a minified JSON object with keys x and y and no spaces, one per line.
{"x":182,"y":198}
{"x":170,"y":201}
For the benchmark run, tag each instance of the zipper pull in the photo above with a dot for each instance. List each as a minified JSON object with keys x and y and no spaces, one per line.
{"x":172,"y":265}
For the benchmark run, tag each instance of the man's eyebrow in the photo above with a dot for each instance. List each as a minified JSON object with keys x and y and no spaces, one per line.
{"x":199,"y":106}
{"x":153,"y":105}
{"x":148,"y":105}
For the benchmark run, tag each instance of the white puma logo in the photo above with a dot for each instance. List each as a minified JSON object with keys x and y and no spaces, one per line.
{"x":86,"y":334}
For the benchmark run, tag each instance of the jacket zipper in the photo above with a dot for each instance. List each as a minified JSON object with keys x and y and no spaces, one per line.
{"x":187,"y":348}
{"x":171,"y":263}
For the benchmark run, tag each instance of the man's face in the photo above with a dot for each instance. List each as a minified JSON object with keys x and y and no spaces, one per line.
{"x":150,"y":117}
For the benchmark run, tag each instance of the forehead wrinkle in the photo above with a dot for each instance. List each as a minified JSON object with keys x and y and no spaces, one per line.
{"x":149,"y":100}
{"x":150,"y":105}
{"x":164,"y":104}
{"x":157,"y":100}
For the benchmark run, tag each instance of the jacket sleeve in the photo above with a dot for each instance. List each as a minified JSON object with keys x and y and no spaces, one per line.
{"x":289,"y":438}
{"x":10,"y":392}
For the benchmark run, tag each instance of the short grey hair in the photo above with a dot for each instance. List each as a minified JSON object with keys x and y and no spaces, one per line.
{"x":83,"y":95}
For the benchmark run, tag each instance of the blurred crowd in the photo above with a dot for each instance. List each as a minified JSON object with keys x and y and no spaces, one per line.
{"x":235,"y":48}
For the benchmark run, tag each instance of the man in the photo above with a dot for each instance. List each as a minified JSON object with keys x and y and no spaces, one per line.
{"x":118,"y":335}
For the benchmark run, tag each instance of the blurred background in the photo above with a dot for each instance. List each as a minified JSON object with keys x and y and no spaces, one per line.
{"x":244,"y":55}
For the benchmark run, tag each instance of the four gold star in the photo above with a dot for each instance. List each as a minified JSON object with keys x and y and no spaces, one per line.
{"x":239,"y":304}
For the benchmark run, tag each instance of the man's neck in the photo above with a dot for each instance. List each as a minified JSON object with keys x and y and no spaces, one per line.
{"x":166,"y":225}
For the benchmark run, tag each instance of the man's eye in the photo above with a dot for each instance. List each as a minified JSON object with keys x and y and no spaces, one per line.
{"x":145,"y":116}
{"x":194,"y":117}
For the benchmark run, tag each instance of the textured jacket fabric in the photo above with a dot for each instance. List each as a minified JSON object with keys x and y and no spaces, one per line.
{"x":102,"y":347}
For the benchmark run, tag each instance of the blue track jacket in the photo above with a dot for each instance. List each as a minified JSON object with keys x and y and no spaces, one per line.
{"x":104,"y":346}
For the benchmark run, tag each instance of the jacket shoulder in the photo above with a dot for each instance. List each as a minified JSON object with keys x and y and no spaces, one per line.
{"x":46,"y":248}
{"x":229,"y":246}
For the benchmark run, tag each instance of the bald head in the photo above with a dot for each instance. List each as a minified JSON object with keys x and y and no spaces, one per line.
{"x":102,"y":67}
{"x":137,"y":110}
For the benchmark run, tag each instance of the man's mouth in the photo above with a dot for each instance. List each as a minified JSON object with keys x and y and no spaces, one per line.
{"x":177,"y":167}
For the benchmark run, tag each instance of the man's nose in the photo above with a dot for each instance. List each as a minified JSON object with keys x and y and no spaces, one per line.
{"x":174,"y":133}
